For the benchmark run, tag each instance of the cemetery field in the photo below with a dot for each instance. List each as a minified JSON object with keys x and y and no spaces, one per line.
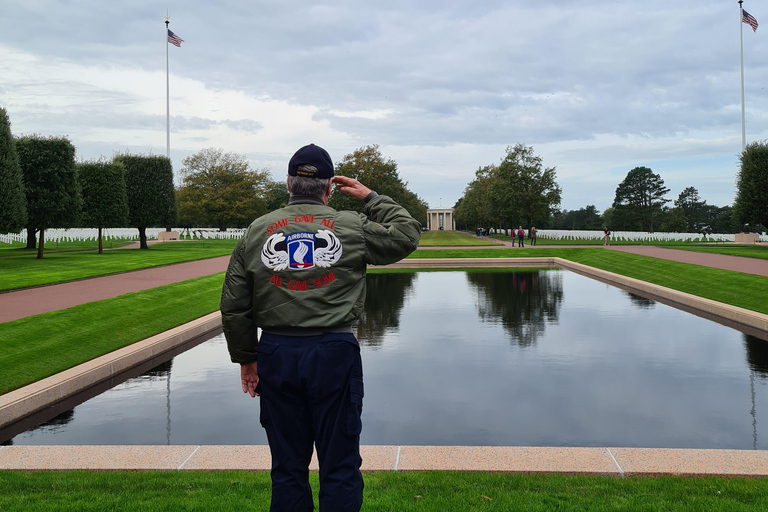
{"x":39,"y":346}
{"x":24,"y":271}
{"x":735,"y":288}
{"x":19,"y":249}
{"x":436,"y":491}
{"x":450,"y":238}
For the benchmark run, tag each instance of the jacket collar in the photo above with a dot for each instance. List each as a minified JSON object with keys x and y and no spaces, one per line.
{"x":305,"y":200}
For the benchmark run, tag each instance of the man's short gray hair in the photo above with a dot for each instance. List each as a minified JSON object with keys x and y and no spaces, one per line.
{"x":304,"y":186}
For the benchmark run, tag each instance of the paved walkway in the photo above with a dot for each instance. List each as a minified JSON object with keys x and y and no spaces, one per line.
{"x":43,"y":299}
{"x":617,"y":462}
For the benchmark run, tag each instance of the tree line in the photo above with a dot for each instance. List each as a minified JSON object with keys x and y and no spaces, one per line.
{"x":220,"y":189}
{"x":42,"y":187}
{"x":522,"y":191}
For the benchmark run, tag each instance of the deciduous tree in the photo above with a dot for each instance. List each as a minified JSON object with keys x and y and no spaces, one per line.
{"x":220,"y":189}
{"x":105,"y":201}
{"x":751,"y":205}
{"x":51,"y":185}
{"x":525,"y":189}
{"x":13,"y":202}
{"x":150,"y":191}
{"x":369,"y":167}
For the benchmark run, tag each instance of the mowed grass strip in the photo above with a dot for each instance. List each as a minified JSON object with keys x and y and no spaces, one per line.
{"x":451,"y":238}
{"x":20,"y":249}
{"x":25,"y":271}
{"x":42,"y":345}
{"x":433,"y":491}
{"x":746,"y":251}
{"x":735,"y":288}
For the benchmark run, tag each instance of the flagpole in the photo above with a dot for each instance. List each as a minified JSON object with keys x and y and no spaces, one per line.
{"x":741,"y":46}
{"x":168,"y":96}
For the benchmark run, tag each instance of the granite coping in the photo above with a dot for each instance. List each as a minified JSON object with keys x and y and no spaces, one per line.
{"x":617,"y":462}
{"x":22,"y":402}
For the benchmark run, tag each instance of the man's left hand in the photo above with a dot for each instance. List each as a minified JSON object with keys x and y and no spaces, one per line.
{"x":249,"y":377}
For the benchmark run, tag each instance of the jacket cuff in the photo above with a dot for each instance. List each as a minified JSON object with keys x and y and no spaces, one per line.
{"x":369,"y":197}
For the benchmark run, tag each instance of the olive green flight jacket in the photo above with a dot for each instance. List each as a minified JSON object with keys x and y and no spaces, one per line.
{"x":303,"y":266}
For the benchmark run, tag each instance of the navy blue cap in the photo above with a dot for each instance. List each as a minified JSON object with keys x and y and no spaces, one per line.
{"x":315,"y":156}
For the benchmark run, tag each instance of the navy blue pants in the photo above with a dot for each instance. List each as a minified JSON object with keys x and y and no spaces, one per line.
{"x":311,"y":391}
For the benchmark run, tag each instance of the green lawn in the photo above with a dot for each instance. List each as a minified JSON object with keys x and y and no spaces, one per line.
{"x":450,"y":238}
{"x":434,"y":491}
{"x":19,"y":249}
{"x":23,"y":271}
{"x":735,"y":288}
{"x":38,"y":346}
{"x":747,"y":251}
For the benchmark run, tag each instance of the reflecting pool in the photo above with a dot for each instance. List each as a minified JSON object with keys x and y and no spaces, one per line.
{"x":535,"y":358}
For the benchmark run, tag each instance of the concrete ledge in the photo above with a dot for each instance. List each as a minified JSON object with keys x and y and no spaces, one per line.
{"x":473,"y":262}
{"x":617,"y":462}
{"x":22,"y":402}
{"x":751,"y":321}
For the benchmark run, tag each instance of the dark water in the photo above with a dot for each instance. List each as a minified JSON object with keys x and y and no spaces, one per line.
{"x":451,"y":358}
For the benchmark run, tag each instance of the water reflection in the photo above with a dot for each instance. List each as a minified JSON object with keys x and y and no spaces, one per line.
{"x":524,"y":302}
{"x":757,"y":355}
{"x":640,"y":302}
{"x":385,"y":297}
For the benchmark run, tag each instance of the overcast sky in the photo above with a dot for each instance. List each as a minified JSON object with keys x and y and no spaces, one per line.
{"x":597,"y":87}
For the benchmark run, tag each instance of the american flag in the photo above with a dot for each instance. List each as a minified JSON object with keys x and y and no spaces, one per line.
{"x":176,"y":40}
{"x":749,"y":20}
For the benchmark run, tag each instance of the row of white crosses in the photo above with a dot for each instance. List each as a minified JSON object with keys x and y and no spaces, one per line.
{"x":638,"y":236}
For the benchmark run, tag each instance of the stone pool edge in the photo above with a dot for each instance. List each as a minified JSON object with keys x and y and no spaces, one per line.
{"x":23,"y":402}
{"x":614,"y":462}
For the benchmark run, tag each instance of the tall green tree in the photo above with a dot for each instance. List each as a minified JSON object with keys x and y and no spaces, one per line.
{"x":220,"y":189}
{"x":13,"y":202}
{"x":751,"y":205}
{"x":369,"y":167}
{"x":582,"y":219}
{"x":524,"y":189}
{"x":277,"y":195}
{"x":640,"y":198}
{"x":51,"y":185}
{"x":475,"y":209}
{"x":105,"y":201}
{"x":693,"y":208}
{"x":150,"y":191}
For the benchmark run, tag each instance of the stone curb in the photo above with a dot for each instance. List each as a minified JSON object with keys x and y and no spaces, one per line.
{"x":22,"y":402}
{"x":617,"y":462}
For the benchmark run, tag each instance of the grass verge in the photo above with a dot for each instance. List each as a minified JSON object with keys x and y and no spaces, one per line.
{"x":25,"y":271}
{"x":736,"y":288}
{"x":20,"y":249}
{"x":747,"y":251}
{"x":388,"y":491}
{"x":450,"y":238}
{"x":42,"y":345}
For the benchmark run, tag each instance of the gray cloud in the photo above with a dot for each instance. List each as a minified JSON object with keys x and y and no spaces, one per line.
{"x":447,"y":73}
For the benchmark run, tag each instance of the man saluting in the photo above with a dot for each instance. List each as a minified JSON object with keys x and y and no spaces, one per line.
{"x":298,"y":273}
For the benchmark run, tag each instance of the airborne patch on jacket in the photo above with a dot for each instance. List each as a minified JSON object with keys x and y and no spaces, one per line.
{"x":300,"y":251}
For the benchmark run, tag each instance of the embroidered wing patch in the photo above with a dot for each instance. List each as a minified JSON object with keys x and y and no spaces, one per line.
{"x":301,"y":251}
